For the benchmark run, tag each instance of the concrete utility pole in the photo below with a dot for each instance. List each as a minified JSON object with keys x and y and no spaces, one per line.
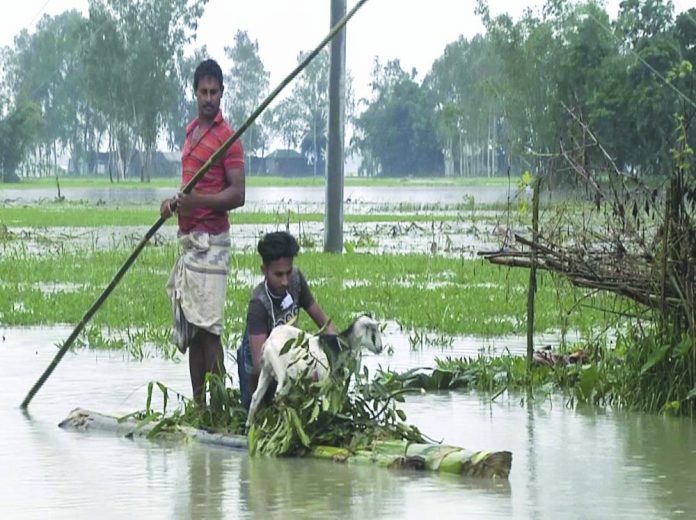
{"x":333,"y":215}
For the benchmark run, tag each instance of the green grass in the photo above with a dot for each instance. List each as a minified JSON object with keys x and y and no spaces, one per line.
{"x":257,"y":181}
{"x":83,"y":215}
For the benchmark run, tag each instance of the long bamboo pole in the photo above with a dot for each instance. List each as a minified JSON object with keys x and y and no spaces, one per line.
{"x":187,"y":189}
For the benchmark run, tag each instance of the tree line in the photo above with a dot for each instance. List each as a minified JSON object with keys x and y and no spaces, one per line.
{"x":118,"y":80}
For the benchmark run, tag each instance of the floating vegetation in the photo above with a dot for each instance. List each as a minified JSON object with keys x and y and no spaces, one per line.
{"x":224,"y":413}
{"x":332,"y":413}
{"x":596,"y":374}
{"x":344,"y":411}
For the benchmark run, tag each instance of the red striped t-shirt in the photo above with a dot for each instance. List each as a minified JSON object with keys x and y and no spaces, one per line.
{"x":193,"y":157}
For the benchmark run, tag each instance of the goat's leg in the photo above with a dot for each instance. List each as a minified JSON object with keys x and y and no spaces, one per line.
{"x":280,"y":371}
{"x":281,"y":385}
{"x":264,"y":383}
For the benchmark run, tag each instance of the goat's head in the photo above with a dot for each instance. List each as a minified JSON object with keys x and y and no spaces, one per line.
{"x":366,"y":332}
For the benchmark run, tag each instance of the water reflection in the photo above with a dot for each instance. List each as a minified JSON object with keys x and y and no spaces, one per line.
{"x":293,"y":488}
{"x":660,"y":452}
{"x":274,"y":489}
{"x":201,"y":494}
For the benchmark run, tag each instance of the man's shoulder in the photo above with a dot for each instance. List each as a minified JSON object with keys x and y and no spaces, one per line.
{"x":258,"y":292}
{"x":257,"y":307}
{"x":221,"y":125}
{"x":189,"y":128}
{"x":298,"y":275}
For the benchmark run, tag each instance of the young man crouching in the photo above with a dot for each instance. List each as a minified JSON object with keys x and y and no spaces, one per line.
{"x":275,"y":301}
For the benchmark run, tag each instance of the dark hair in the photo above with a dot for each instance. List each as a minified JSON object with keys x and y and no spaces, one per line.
{"x":208,"y":68}
{"x":279,"y":244}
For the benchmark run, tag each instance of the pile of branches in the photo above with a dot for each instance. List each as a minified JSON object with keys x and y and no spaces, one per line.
{"x":346,"y":410}
{"x":606,"y":267}
{"x":633,"y":238}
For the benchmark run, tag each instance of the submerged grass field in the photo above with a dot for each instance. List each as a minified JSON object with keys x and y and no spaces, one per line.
{"x":422,"y":292}
{"x":83,"y":215}
{"x":51,"y":273}
{"x":429,"y":295}
{"x":451,"y":296}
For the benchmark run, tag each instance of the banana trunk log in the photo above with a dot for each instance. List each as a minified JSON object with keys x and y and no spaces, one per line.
{"x":429,"y":457}
{"x":390,"y":454}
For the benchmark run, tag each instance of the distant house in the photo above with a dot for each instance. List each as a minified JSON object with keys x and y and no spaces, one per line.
{"x":95,"y":163}
{"x":255,"y":164}
{"x":287,"y":162}
{"x":162,"y":164}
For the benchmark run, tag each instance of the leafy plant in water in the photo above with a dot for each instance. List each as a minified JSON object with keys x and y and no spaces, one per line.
{"x":5,"y":234}
{"x":523,"y":183}
{"x":416,"y":340}
{"x":224,"y":413}
{"x":495,"y":375}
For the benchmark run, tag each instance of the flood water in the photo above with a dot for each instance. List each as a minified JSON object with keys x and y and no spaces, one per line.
{"x":567,"y":463}
{"x":456,"y":240}
{"x":461,"y":238}
{"x":258,"y":197}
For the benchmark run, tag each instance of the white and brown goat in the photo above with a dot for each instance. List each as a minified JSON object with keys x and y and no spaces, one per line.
{"x":282,"y":362}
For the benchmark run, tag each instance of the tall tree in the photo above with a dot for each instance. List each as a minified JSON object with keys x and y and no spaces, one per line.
{"x":466,"y":84}
{"x":148,"y":38}
{"x":527,"y":49}
{"x":650,"y":53}
{"x":285,"y":121}
{"x":45,"y":67}
{"x":302,"y":117}
{"x":19,"y":129}
{"x":247,"y":86}
{"x":640,"y":20}
{"x":185,"y":107}
{"x":396,"y":132}
{"x":685,"y":80}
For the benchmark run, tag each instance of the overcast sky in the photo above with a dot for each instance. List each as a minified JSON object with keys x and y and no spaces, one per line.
{"x":415,"y":31}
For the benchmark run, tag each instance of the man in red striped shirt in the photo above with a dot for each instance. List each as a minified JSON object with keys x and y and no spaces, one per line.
{"x":198,"y":283}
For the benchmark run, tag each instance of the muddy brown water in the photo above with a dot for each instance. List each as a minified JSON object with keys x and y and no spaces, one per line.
{"x":567,"y":463}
